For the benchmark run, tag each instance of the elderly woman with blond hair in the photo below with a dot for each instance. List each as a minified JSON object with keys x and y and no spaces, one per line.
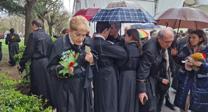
{"x":70,"y":63}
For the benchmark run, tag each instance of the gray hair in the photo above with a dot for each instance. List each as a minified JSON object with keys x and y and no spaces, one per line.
{"x":162,"y":32}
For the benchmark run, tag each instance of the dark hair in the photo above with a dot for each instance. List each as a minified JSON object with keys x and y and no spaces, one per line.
{"x":201,"y":34}
{"x":11,"y":30}
{"x":37,"y":22}
{"x":101,"y":26}
{"x":64,"y":31}
{"x":135,"y":34}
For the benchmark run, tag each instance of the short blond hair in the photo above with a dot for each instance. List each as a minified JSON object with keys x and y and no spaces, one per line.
{"x":79,"y":23}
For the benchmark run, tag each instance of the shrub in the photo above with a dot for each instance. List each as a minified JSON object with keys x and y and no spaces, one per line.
{"x":14,"y":101}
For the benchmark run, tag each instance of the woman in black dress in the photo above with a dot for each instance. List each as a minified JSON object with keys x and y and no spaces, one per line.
{"x":127,"y":73}
{"x":72,"y":91}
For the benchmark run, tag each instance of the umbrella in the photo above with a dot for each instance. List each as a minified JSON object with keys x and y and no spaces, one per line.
{"x":144,"y":26}
{"x":125,"y":11}
{"x":124,"y":15}
{"x":184,"y":18}
{"x":87,"y":13}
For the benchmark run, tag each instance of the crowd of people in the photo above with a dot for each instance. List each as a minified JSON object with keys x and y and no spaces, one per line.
{"x":112,"y":73}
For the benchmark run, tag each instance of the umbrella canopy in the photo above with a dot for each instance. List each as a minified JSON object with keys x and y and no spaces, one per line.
{"x":184,"y":18}
{"x":124,"y":11}
{"x":124,"y":15}
{"x":87,"y":13}
{"x":144,"y":26}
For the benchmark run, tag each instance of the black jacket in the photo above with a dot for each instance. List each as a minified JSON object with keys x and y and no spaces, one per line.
{"x":149,"y":66}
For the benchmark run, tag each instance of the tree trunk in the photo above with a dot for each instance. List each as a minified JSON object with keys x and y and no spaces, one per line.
{"x":50,"y":28}
{"x":28,"y":17}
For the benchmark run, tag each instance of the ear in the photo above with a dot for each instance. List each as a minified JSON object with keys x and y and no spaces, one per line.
{"x":201,"y":39}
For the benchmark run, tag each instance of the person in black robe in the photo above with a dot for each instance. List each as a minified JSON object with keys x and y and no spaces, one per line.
{"x":12,"y":40}
{"x":73,"y":93}
{"x":105,"y":77}
{"x":37,"y":51}
{"x":127,"y":73}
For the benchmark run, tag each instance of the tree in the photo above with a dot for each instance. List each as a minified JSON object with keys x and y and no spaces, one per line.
{"x":28,"y":17}
{"x":49,"y":10}
{"x":12,"y":6}
{"x":62,"y":22}
{"x":58,"y":21}
{"x":20,"y":7}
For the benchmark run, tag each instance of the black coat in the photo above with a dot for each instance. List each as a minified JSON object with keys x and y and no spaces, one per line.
{"x":12,"y":40}
{"x":105,"y":77}
{"x":71,"y":94}
{"x":37,"y":50}
{"x":127,"y":80}
{"x":148,"y":73}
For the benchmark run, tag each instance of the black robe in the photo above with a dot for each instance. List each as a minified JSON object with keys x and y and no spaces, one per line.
{"x":127,"y":80}
{"x":37,"y":50}
{"x":105,"y":77}
{"x":71,"y":94}
{"x":12,"y":41}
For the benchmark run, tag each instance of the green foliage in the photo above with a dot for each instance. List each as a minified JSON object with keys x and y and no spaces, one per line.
{"x":25,"y":75}
{"x":12,"y":6}
{"x":6,"y":83}
{"x":14,"y":101}
{"x":18,"y":56}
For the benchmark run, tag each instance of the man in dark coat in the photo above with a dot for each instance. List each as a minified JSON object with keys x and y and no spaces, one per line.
{"x":149,"y":69}
{"x":12,"y":40}
{"x":114,"y":33}
{"x":105,"y":77}
{"x":37,"y":50}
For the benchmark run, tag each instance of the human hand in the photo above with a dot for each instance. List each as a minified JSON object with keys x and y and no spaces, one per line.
{"x":197,"y":63}
{"x":89,"y":57}
{"x":143,"y":97}
{"x":174,"y":51}
{"x":165,"y":81}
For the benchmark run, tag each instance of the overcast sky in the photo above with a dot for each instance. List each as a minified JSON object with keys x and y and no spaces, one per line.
{"x":68,"y":4}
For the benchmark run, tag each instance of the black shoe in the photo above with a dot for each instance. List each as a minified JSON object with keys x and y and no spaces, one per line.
{"x":169,"y":105}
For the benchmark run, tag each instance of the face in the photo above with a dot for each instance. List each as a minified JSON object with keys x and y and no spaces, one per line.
{"x":166,"y":41}
{"x":78,"y":36}
{"x":194,"y":40}
{"x":106,"y":33}
{"x":34,"y":27}
{"x":113,"y":31}
{"x":127,"y":38}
